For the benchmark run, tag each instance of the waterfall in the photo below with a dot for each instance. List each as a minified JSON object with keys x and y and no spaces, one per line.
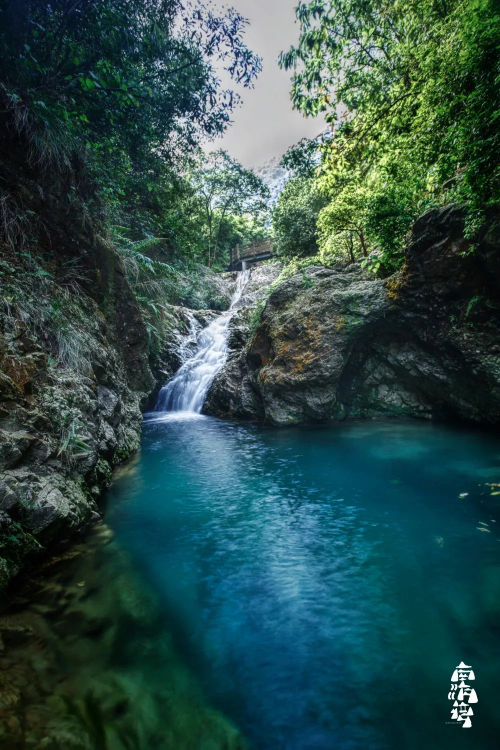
{"x":187,"y":389}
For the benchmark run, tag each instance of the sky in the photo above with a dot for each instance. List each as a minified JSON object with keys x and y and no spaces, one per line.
{"x":265,"y":125}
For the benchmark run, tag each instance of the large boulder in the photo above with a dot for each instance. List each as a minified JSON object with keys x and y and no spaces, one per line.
{"x":333,"y":344}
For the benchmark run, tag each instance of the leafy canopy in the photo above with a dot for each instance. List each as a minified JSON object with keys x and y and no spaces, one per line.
{"x":105,"y":103}
{"x":131,"y":75}
{"x":411,"y":90}
{"x":227,"y":191}
{"x":295,"y":217}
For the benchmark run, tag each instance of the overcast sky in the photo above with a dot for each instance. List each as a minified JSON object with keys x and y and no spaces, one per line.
{"x":265,"y":124}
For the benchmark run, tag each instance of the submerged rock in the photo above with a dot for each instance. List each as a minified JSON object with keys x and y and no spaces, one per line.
{"x":335,"y":344}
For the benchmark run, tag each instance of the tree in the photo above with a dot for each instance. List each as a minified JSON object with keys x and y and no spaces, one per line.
{"x":342,"y":224}
{"x":413,"y":90}
{"x":131,"y":83}
{"x":113,"y":97}
{"x":367,"y":210}
{"x":227,"y":190}
{"x":294,"y":218}
{"x":303,"y":159}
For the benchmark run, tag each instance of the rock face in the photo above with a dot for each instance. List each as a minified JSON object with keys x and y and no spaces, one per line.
{"x":260,"y":280}
{"x":75,"y":373}
{"x":72,"y":379}
{"x":336,"y":344}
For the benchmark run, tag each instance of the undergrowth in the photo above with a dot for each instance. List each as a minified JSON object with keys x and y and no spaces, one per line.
{"x":158,"y":285}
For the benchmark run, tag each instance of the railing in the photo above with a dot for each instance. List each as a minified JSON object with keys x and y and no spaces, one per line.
{"x":251,"y":250}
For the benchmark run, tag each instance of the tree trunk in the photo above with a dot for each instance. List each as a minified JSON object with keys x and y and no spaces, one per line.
{"x":363,"y":243}
{"x":351,"y":250}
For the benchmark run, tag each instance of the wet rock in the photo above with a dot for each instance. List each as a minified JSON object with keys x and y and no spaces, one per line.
{"x":8,"y":498}
{"x":336,"y":344}
{"x":261,"y":279}
{"x":13,"y":446}
{"x":50,"y":508}
{"x":109,"y":403}
{"x":108,"y":441}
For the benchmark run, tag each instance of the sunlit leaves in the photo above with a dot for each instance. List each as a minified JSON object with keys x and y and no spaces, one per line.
{"x":412,"y":91}
{"x":295,"y":217}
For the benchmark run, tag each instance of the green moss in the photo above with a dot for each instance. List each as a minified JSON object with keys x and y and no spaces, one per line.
{"x":123,"y":452}
{"x":255,"y":317}
{"x":15,"y":545}
{"x":102,"y":472}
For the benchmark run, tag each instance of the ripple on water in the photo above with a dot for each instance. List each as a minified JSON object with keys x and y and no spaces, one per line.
{"x":313,"y":587}
{"x":309,"y":591}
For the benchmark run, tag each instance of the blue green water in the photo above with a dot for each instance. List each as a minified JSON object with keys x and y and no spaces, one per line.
{"x":322,"y":584}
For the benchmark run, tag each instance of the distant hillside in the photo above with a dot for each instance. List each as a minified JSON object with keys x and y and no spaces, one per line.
{"x":274,"y":176}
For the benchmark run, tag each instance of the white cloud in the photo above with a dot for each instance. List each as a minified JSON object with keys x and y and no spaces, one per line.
{"x":266,"y":125}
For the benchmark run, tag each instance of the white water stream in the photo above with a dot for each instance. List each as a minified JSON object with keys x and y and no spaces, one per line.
{"x":187,"y":389}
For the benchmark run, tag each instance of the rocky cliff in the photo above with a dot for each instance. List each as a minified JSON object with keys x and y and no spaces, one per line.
{"x":73,"y":371}
{"x":336,"y":343}
{"x":75,"y":363}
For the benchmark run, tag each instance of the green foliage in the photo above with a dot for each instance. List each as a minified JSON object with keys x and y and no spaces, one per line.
{"x":342,"y":223}
{"x":110,"y":99}
{"x":412,"y":91}
{"x":72,"y":443}
{"x":128,"y":79}
{"x":303,"y":159}
{"x":292,"y":268}
{"x":130,"y":88}
{"x":471,"y":305}
{"x":294,"y":218}
{"x":52,"y":314}
{"x":166,"y":206}
{"x":154,"y":282}
{"x":59,"y":321}
{"x":158,"y":285}
{"x":255,"y":315}
{"x":234,"y":202}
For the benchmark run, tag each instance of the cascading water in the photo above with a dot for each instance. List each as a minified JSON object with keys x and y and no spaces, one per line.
{"x":187,"y":389}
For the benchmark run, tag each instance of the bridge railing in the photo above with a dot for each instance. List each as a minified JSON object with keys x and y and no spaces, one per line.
{"x":250,"y":250}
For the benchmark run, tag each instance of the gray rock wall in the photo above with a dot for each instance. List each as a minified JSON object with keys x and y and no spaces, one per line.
{"x":337,"y":344}
{"x":72,"y":379}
